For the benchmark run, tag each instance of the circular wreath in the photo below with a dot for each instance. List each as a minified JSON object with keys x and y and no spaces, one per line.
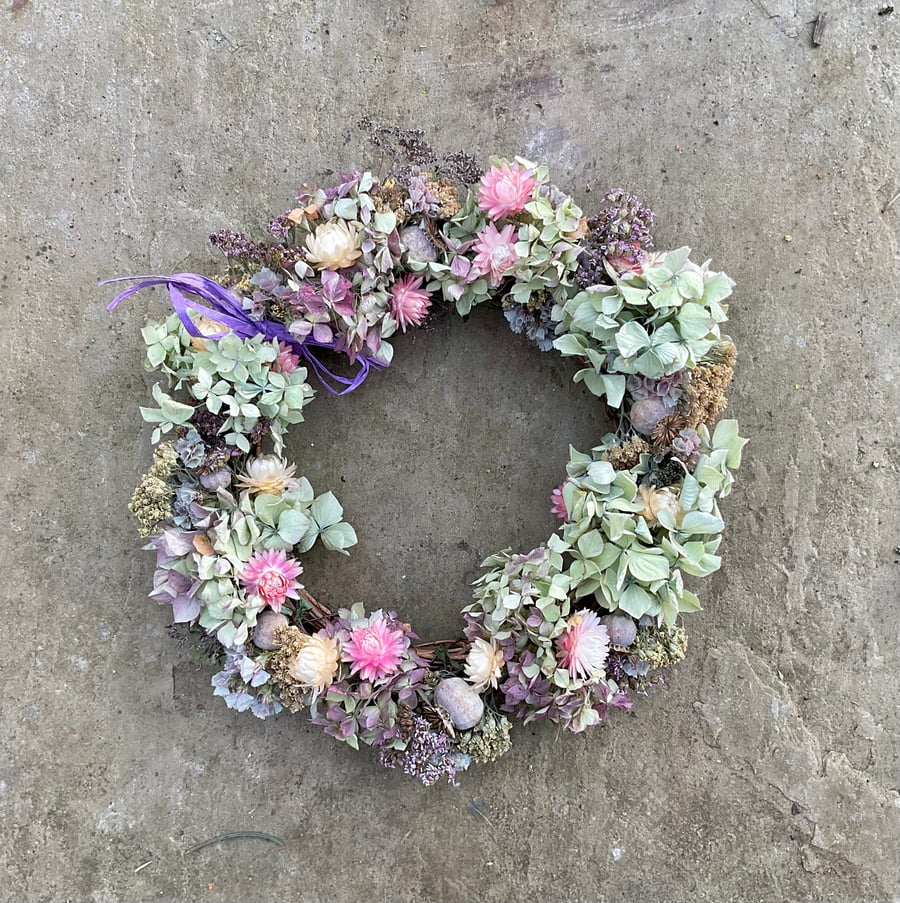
{"x":565,"y":632}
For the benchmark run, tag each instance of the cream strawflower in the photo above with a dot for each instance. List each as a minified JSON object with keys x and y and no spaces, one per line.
{"x":206,"y":327}
{"x":484,"y":663}
{"x":315,"y":665}
{"x":659,"y":500}
{"x":268,"y":474}
{"x":332,"y":247}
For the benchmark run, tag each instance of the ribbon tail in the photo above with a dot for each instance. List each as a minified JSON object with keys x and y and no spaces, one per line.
{"x":326,"y":376}
{"x":223,"y":308}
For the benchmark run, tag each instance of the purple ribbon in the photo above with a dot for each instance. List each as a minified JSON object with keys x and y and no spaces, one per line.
{"x":222,"y":307}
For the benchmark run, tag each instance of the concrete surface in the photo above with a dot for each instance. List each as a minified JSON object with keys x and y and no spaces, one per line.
{"x":768,"y":769}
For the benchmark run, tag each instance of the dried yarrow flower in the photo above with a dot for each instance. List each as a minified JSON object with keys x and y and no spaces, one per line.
{"x":660,"y":647}
{"x":488,"y":740}
{"x":151,"y":502}
{"x":704,"y":398}
{"x":290,"y":641}
{"x":626,"y":456}
{"x":390,"y":197}
{"x":447,"y":196}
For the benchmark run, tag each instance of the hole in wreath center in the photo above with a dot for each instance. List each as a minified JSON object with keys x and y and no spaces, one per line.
{"x":445,"y":457}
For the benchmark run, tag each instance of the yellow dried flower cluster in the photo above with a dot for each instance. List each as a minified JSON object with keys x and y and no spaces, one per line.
{"x":447,"y":195}
{"x":290,"y":641}
{"x":704,"y":397}
{"x":390,"y":198}
{"x":488,"y":741}
{"x":151,"y":502}
{"x":626,"y":456}
{"x":660,"y":646}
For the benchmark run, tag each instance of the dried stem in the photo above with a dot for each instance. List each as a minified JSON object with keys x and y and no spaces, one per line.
{"x":456,"y":650}
{"x":320,"y":610}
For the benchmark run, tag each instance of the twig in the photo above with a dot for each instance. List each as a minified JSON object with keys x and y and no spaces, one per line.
{"x":319,"y":608}
{"x":819,"y":30}
{"x":257,"y":835}
{"x":456,"y":650}
{"x":892,"y":201}
{"x":140,"y":868}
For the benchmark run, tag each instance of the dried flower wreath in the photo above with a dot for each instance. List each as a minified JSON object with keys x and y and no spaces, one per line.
{"x":566,"y":632}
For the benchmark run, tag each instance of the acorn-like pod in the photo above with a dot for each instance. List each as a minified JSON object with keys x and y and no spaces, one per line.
{"x":646,"y":413}
{"x":417,"y":245}
{"x":463,"y":704}
{"x":266,"y":625}
{"x":622,"y":629}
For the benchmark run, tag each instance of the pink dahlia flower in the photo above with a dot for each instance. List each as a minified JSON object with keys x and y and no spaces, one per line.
{"x":558,"y":503}
{"x":584,"y":645}
{"x":287,"y":361}
{"x":409,"y":301}
{"x":375,"y":652}
{"x":495,"y":252}
{"x":505,"y":190}
{"x":273,"y":577}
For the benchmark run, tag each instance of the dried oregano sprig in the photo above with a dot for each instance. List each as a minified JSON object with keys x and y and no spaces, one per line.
{"x":567,"y":632}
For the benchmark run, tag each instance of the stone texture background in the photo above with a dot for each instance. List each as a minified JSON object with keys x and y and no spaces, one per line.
{"x":768,"y":768}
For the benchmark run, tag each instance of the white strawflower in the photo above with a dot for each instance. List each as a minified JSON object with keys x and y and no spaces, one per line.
{"x":316,"y":664}
{"x":484,"y":663}
{"x":268,"y":474}
{"x":659,"y":500}
{"x":332,"y":246}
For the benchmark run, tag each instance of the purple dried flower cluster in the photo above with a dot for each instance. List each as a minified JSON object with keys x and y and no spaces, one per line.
{"x":620,"y":234}
{"x":537,"y":324}
{"x":421,"y":198}
{"x":668,"y":388}
{"x":240,"y":683}
{"x":686,"y":446}
{"x":536,"y":698}
{"x":408,"y":145}
{"x":460,"y":167}
{"x":429,"y":755}
{"x":237,"y":244}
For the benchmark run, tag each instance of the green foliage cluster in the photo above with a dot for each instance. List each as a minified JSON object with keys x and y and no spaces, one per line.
{"x":230,"y":377}
{"x":653,"y":323}
{"x":609,"y":553}
{"x":625,"y":561}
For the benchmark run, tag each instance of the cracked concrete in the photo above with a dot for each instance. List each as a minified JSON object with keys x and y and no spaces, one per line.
{"x":768,"y":767}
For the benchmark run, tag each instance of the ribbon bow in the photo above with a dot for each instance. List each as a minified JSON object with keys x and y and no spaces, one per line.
{"x":222,"y":307}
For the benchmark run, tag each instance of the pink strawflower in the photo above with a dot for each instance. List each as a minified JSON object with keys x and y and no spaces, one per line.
{"x":558,"y":503}
{"x":375,"y":651}
{"x":495,"y":252}
{"x":584,"y":645}
{"x":273,"y":577}
{"x":287,"y":361}
{"x":409,"y":301}
{"x":505,"y":190}
{"x":625,"y":264}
